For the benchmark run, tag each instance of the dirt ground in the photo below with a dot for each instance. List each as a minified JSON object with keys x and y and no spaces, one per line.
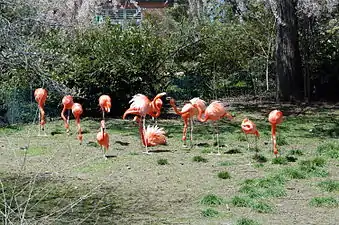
{"x":135,"y":189}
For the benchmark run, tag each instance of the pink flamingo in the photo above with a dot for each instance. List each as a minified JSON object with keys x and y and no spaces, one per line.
{"x":187,"y":113}
{"x":105,"y":104}
{"x":248,"y":127}
{"x":141,"y":106}
{"x":77,"y":111}
{"x":275,"y":117}
{"x":40,"y":96}
{"x":103,"y":138}
{"x":67,"y":102}
{"x":215,"y":111}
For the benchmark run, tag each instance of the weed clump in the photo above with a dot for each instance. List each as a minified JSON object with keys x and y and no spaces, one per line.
{"x":162,"y":161}
{"x":199,"y":158}
{"x":210,"y":213}
{"x":224,"y":175}
{"x":324,"y":202}
{"x":329,"y":185}
{"x":329,"y":150}
{"x":246,"y":221}
{"x":211,"y":200}
{"x":280,"y":160}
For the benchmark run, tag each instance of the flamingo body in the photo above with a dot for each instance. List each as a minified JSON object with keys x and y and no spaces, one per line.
{"x":105,"y":103}
{"x":248,"y":127}
{"x":275,"y":117}
{"x":103,"y":137}
{"x":77,"y":111}
{"x":154,"y":136}
{"x":67,"y":102}
{"x":40,"y":96}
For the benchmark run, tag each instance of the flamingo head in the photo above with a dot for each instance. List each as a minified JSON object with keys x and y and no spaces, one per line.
{"x":66,"y":125}
{"x":79,"y":137}
{"x":42,"y":122}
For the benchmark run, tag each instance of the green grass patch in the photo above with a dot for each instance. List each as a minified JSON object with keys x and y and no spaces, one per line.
{"x":324,"y":202}
{"x":211,"y":200}
{"x":281,"y":140}
{"x":226,"y":163}
{"x":314,"y":167}
{"x":38,"y":150}
{"x":205,"y":151}
{"x":95,"y":166}
{"x":199,"y":158}
{"x":224,"y":175}
{"x":246,"y":221}
{"x":259,"y":165}
{"x":209,"y":213}
{"x":162,"y":161}
{"x":242,"y":201}
{"x":294,"y":173}
{"x":295,"y":152}
{"x":264,"y":187}
{"x":330,"y":150}
{"x":280,"y":160}
{"x":260,"y":158}
{"x":262,"y":207}
{"x":93,"y":144}
{"x":329,"y":185}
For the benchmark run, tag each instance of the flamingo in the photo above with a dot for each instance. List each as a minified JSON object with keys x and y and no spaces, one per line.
{"x":77,"y":111}
{"x":141,"y":106}
{"x":105,"y":104}
{"x":215,"y":111}
{"x":103,"y":138}
{"x":275,"y":117}
{"x":187,"y":113}
{"x":248,"y":127}
{"x":40,"y":96}
{"x":67,"y":101}
{"x":153,"y":135}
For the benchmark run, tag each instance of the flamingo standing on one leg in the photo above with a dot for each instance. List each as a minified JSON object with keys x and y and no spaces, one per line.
{"x":103,"y":138}
{"x":77,"y":111}
{"x":187,"y":113}
{"x":67,"y":101}
{"x":248,"y":127}
{"x":215,"y":111}
{"x":105,"y":104}
{"x":275,"y":117}
{"x":40,"y":96}
{"x":141,"y":106}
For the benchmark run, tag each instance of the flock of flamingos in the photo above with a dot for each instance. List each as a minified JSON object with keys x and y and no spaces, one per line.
{"x":141,"y":106}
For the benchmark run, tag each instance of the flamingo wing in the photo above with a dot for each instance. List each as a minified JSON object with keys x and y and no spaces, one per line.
{"x":155,"y":135}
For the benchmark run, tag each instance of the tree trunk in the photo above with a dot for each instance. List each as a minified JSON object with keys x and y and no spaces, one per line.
{"x":287,"y":51}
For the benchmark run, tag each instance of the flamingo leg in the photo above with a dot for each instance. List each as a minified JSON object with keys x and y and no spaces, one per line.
{"x":68,"y":115}
{"x":217,"y":129}
{"x":184,"y":131}
{"x":103,"y":114}
{"x":191,"y":134}
{"x":256,"y":145}
{"x":144,"y":129}
{"x":39,"y":123}
{"x":248,"y":142}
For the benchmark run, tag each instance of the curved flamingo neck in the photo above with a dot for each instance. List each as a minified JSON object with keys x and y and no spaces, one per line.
{"x":175,"y":108}
{"x":200,"y":113}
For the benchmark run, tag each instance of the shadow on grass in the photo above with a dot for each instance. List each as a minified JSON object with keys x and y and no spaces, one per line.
{"x":57,"y":201}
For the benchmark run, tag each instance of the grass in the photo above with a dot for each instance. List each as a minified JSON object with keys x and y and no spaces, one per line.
{"x":280,"y":160}
{"x":246,"y":221}
{"x":199,"y":159}
{"x":137,"y":188}
{"x":260,"y":158}
{"x":329,"y":185}
{"x":224,"y":175}
{"x":330,"y":150}
{"x":162,"y":161}
{"x":209,"y":213}
{"x":328,"y":202}
{"x":211,"y":200}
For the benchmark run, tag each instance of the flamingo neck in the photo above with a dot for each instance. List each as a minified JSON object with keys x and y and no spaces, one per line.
{"x":200,"y":113}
